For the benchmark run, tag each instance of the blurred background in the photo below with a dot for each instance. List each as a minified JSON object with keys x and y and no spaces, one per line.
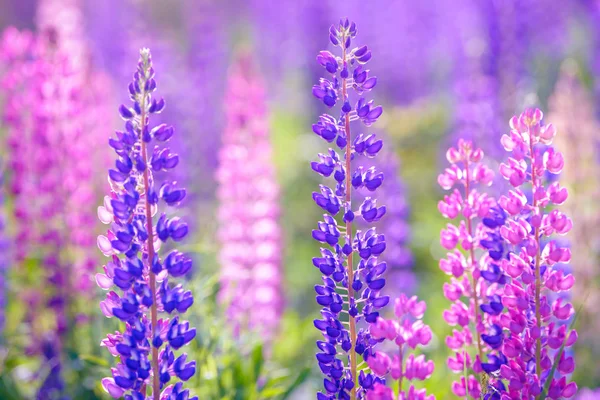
{"x":446,"y":69}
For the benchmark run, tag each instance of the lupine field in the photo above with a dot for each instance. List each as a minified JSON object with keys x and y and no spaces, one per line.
{"x":312,"y":199}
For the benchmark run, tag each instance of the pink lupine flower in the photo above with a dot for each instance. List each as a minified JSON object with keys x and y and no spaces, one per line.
{"x":409,"y":332}
{"x":249,"y":230}
{"x":46,"y":111}
{"x":475,"y":278}
{"x":532,"y":312}
{"x":380,"y":392}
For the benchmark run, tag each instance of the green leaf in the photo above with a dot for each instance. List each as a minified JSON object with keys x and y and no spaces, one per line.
{"x":257,"y":360}
{"x":94,"y":360}
{"x":272,"y":392}
{"x":8,"y":389}
{"x":300,"y":379}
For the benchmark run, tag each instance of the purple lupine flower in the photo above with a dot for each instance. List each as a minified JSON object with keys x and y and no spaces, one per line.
{"x":476,"y":87}
{"x":408,"y":65}
{"x":534,"y":324}
{"x":348,"y":289}
{"x":409,"y":332}
{"x":474,"y":276}
{"x":572,"y":112}
{"x":135,"y":267}
{"x":249,"y":232}
{"x":476,"y":111}
{"x":206,"y":23}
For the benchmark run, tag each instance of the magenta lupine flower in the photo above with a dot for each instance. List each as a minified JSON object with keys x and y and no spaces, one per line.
{"x":50,"y":156}
{"x":535,"y":322}
{"x":249,"y":231}
{"x":18,"y":70}
{"x":5,"y":255}
{"x":136,"y":268}
{"x":474,"y":274}
{"x":352,"y":273}
{"x":63,"y":22}
{"x":572,"y":112}
{"x":588,"y":394}
{"x":408,"y":333}
{"x":65,"y":18}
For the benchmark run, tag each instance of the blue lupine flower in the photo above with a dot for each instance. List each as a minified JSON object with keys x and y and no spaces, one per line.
{"x":351,"y":288}
{"x":135,"y":265}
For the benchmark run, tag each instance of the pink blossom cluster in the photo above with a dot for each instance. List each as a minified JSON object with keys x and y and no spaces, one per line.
{"x":408,"y":333}
{"x":536,"y":318}
{"x":51,"y":156}
{"x":467,"y":289}
{"x":249,"y":231}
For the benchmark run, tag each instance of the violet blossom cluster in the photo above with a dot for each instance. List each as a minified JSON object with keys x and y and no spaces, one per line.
{"x":145,"y":349}
{"x":474,"y":273}
{"x":535,"y":323}
{"x":351,"y":289}
{"x":408,"y":333}
{"x":248,"y":193}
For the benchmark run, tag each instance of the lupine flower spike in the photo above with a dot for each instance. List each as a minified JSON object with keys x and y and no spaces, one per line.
{"x":43,"y":112}
{"x":474,"y":275}
{"x":249,"y":231}
{"x":409,"y":332}
{"x":5,"y":253}
{"x":536,"y":320}
{"x":350,"y":292}
{"x":146,"y":347}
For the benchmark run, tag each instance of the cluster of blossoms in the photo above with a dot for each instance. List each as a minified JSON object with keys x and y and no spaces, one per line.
{"x":248,"y":195}
{"x":533,"y":329}
{"x":522,"y":330}
{"x":49,"y":155}
{"x":572,"y":112}
{"x":135,"y":267}
{"x":350,"y":293}
{"x":4,"y":256}
{"x":475,"y":276}
{"x":407,"y":333}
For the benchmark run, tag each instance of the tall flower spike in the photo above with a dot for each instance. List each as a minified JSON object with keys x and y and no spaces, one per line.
{"x":409,"y":332}
{"x":50,"y":155}
{"x":249,"y":231}
{"x":135,"y":268}
{"x":535,"y":322}
{"x":351,"y":288}
{"x":5,"y":257}
{"x":472,"y":273}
